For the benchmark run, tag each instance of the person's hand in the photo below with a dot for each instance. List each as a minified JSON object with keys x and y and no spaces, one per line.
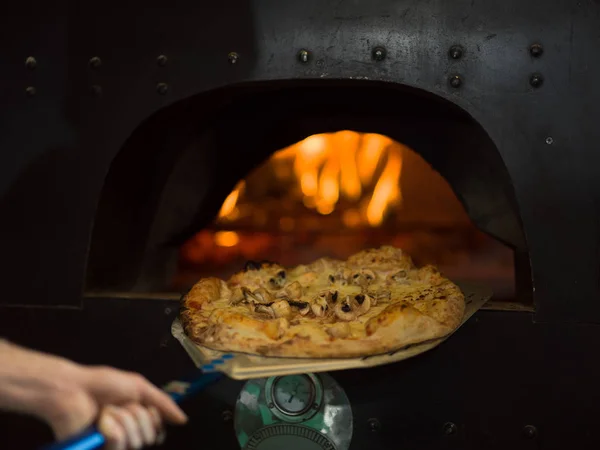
{"x":128,"y":409}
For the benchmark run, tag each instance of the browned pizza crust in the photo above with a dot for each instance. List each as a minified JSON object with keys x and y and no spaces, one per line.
{"x":375,"y":302}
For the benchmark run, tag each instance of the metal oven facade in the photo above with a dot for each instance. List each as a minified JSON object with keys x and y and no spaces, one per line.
{"x":100,"y":106}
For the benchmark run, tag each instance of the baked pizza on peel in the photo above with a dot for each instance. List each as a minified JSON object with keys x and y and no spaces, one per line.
{"x":375,"y":302}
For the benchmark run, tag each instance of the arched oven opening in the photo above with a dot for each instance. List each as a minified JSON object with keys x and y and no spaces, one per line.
{"x":293,"y":171}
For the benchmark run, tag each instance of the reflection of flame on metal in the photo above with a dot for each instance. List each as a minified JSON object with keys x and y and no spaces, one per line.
{"x":334,"y":166}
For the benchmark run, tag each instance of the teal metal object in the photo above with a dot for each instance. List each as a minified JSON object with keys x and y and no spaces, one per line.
{"x":304,"y":412}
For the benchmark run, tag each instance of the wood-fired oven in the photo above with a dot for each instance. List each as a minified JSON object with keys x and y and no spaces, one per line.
{"x":145,"y":145}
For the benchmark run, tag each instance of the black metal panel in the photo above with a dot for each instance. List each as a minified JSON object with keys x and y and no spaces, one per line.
{"x":499,"y":373}
{"x":57,"y":144}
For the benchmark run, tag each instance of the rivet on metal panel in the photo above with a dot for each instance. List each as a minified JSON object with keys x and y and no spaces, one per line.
{"x":30,"y":90}
{"x":96,"y":90}
{"x":536,"y":50}
{"x":233,"y":57}
{"x":529,"y":431}
{"x":536,"y":80}
{"x":549,"y":140}
{"x":162,"y":88}
{"x":161,"y":60}
{"x":449,"y":428}
{"x":167,"y":311}
{"x":374,"y":425}
{"x":30,"y":62}
{"x":303,"y":56}
{"x":320,"y":63}
{"x":455,"y":52}
{"x":271,"y":405}
{"x":379,"y":53}
{"x":95,"y":62}
{"x":227,"y":415}
{"x":455,"y":81}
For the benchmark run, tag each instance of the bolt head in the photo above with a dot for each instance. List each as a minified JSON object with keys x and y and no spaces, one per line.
{"x":374,"y":425}
{"x":536,"y":50}
{"x":529,"y":431}
{"x":455,"y":81}
{"x":379,"y":53}
{"x":455,"y":52}
{"x":233,"y":57}
{"x":536,"y":80}
{"x":162,"y":88}
{"x":161,"y":60}
{"x":95,"y":62}
{"x":549,"y":140}
{"x":449,"y":428}
{"x":30,"y":62}
{"x":303,"y":56}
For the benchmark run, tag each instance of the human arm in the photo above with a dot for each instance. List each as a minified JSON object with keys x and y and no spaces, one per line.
{"x":69,"y":397}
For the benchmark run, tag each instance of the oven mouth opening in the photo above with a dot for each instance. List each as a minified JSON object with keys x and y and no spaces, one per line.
{"x":335,"y":194}
{"x":340,"y":166}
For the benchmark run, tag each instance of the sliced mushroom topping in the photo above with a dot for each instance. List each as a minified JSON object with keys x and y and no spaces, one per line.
{"x":263,"y":296}
{"x":237,"y":296}
{"x":292,"y":291}
{"x":300,"y":305}
{"x":333,"y":296}
{"x":343,"y":310}
{"x":363,"y":277}
{"x":339,"y":330}
{"x":278,"y":280}
{"x":399,"y":276}
{"x":281,"y":308}
{"x":341,"y":276}
{"x":365,"y":304}
{"x":248,"y":295}
{"x":304,"y":311}
{"x":265,"y":310}
{"x":319,"y":305}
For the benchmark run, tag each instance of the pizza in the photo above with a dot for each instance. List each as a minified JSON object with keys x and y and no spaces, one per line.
{"x":375,"y":302}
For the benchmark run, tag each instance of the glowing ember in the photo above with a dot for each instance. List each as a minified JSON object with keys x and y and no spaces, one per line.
{"x":226,"y":238}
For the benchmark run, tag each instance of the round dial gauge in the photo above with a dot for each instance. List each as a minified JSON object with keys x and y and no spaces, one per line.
{"x":294,"y":398}
{"x":293,"y":394}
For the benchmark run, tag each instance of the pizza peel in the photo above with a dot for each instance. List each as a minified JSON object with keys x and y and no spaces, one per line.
{"x":243,"y":366}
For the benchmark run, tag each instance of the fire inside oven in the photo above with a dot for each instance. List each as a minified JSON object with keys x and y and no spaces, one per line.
{"x":334,"y":194}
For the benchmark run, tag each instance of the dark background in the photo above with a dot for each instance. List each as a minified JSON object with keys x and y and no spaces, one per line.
{"x":495,"y":376}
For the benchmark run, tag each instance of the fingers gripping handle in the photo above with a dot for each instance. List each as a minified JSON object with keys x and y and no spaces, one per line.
{"x":179,"y":390}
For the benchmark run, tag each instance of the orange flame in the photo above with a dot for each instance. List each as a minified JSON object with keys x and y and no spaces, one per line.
{"x":385,"y":191}
{"x":228,"y":206}
{"x":330,"y":166}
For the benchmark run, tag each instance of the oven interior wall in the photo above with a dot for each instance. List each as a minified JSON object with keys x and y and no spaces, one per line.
{"x":184,"y":167}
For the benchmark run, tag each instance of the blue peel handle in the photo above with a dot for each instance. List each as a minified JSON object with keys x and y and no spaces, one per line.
{"x":92,"y":439}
